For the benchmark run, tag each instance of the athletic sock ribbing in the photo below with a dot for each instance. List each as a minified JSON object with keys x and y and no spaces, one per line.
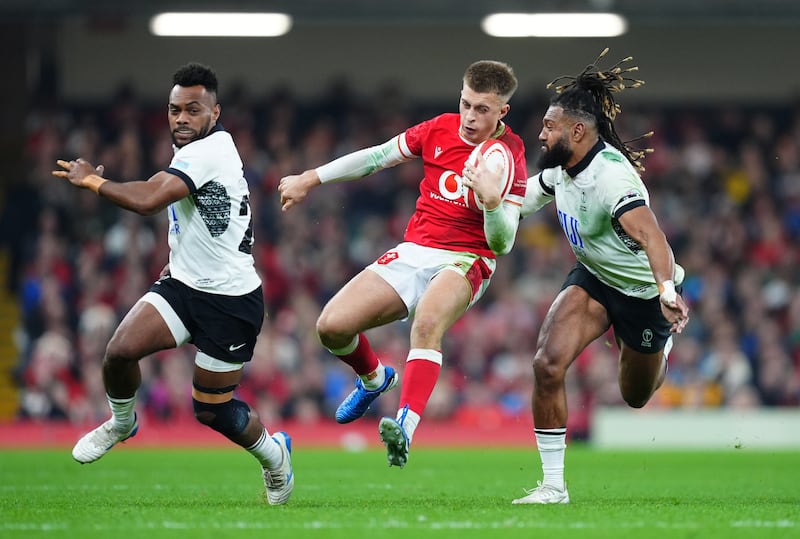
{"x":552,"y":444}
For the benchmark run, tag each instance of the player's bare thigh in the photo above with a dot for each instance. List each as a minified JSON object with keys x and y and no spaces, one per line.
{"x":444,"y":301}
{"x":141,"y":333}
{"x":365,"y":302}
{"x":573,"y":321}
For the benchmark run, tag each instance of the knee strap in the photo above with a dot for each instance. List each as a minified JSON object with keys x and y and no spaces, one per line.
{"x":228,"y":418}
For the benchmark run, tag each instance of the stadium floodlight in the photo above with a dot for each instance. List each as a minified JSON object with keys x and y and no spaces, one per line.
{"x":220,"y":24}
{"x":554,"y":25}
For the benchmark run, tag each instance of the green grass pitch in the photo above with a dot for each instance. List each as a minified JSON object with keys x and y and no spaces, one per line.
{"x":441,"y":493}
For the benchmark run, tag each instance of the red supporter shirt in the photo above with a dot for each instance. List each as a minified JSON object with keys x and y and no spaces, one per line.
{"x":442,"y":218}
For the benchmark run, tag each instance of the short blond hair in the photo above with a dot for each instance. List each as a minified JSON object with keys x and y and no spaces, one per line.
{"x":490,"y":76}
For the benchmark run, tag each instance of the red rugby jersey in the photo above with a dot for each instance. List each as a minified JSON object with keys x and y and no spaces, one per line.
{"x":442,"y":218}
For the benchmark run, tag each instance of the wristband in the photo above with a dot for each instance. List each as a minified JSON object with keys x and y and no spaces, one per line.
{"x":93,"y":182}
{"x":666,"y":289}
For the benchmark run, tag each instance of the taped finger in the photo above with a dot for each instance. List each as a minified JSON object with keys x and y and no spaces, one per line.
{"x":64,"y":164}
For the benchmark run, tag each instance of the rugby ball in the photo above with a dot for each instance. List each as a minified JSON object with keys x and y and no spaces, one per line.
{"x":498,"y":157}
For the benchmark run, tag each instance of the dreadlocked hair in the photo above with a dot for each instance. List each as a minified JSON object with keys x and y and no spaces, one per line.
{"x":590,"y":94}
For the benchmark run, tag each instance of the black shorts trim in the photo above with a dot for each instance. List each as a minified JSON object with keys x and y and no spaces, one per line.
{"x":639,"y":323}
{"x":223,"y":327}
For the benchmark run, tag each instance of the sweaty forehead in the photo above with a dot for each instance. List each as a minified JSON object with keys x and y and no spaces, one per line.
{"x":189,"y":94}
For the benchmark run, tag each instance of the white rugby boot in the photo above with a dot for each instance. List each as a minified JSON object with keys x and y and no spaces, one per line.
{"x":279,"y":481}
{"x":95,"y":444}
{"x":543,"y":494}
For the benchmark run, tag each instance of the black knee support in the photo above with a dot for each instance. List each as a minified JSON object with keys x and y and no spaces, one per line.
{"x":229,"y":418}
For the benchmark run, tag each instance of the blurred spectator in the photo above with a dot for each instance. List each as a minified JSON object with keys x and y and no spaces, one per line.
{"x":49,"y":379}
{"x":727,"y":180}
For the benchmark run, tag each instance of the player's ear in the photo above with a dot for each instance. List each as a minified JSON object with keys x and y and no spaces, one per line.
{"x":578,"y":131}
{"x":215,"y":112}
{"x":504,"y":110}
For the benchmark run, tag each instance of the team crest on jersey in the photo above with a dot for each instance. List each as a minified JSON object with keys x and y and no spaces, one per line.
{"x":388,"y":257}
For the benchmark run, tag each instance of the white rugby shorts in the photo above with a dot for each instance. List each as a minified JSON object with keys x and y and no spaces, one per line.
{"x":409,"y":268}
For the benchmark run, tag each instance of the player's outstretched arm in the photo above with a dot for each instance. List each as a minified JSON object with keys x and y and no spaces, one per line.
{"x":81,"y":174}
{"x":355,"y":165}
{"x":293,"y":189}
{"x":143,"y":197}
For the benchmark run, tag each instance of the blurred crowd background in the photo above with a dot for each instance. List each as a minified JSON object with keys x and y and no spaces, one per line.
{"x":724,"y":182}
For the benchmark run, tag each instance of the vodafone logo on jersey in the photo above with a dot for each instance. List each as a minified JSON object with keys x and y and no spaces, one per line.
{"x":450,"y":185}
{"x":498,"y":157}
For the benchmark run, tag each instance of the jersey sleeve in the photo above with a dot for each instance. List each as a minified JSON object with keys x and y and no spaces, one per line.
{"x":622,"y":189}
{"x":416,"y":135}
{"x":194,"y":166}
{"x":622,"y":193}
{"x":541,"y":190}
{"x":626,"y":201}
{"x":516,"y":194}
{"x":500,"y":227}
{"x":361,"y":163}
{"x":364,"y":162}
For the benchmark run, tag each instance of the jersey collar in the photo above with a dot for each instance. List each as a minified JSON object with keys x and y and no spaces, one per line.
{"x":501,"y":128}
{"x":581,"y":165}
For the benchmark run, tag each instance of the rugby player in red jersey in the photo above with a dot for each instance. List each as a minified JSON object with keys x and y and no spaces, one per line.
{"x":444,"y":263}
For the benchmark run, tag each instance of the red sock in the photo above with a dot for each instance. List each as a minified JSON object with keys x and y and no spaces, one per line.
{"x":363,"y":358}
{"x":419,"y":379}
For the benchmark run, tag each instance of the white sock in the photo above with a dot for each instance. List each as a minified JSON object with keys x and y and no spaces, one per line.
{"x":552,"y":444}
{"x":409,"y":419}
{"x":122,"y":412}
{"x":267,"y":451}
{"x":375,"y":379}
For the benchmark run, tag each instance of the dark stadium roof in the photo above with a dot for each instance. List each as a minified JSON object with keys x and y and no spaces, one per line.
{"x":442,"y":12}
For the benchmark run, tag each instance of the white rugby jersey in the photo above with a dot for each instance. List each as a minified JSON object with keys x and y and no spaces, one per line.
{"x":590,"y":197}
{"x":211,"y":230}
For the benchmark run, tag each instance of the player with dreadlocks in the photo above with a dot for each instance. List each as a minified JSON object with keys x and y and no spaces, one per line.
{"x":625,"y":276}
